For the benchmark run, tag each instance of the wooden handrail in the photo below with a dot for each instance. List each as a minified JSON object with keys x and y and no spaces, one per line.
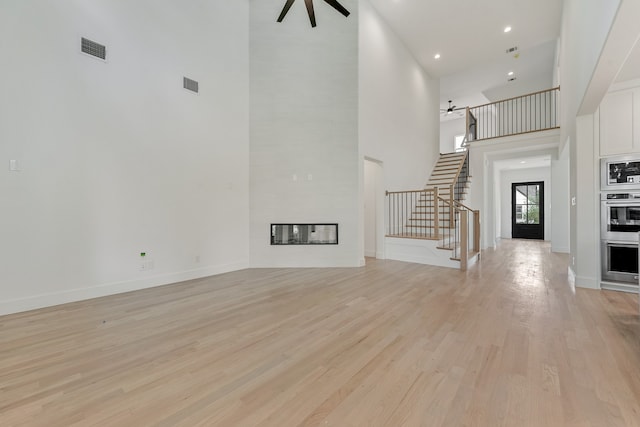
{"x":424,"y":190}
{"x":463,"y":206}
{"x":516,"y":97}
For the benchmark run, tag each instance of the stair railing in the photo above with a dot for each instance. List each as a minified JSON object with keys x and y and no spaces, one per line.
{"x":409,"y":214}
{"x":533,"y":112}
{"x":462,"y":229}
{"x":462,"y":179}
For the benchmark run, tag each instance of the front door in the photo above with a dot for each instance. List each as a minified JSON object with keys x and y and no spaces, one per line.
{"x":527,"y":218}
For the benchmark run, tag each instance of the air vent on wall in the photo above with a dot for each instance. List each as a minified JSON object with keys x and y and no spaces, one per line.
{"x":512,"y":49}
{"x":94,"y":49}
{"x":189,"y":84}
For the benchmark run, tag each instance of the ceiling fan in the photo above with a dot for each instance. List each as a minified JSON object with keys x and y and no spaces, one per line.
{"x":310,"y":11}
{"x":450,"y":109}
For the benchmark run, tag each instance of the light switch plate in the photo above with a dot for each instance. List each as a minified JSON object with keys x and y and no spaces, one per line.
{"x":13,"y":165}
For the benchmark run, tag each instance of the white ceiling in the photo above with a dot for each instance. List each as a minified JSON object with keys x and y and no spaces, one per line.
{"x":523,"y":163}
{"x":469,"y":36}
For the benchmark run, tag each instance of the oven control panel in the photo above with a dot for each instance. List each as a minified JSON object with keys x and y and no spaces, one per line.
{"x":620,"y":196}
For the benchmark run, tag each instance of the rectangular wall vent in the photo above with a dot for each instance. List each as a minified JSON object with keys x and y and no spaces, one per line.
{"x":512,"y":49}
{"x":94,"y":49}
{"x":189,"y":84}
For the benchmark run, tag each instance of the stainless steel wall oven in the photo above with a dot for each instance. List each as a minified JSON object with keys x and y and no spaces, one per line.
{"x":620,"y":224}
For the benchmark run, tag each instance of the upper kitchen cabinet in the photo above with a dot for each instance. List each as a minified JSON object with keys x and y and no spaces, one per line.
{"x":620,"y":122}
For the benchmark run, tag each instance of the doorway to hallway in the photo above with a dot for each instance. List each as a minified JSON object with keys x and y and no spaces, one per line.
{"x":373,"y":209}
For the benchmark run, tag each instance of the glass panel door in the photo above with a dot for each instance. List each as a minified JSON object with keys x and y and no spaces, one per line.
{"x":528,"y":210}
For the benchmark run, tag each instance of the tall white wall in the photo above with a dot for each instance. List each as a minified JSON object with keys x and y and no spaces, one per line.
{"x":115,"y":157}
{"x":508,"y":177}
{"x":585,"y":26}
{"x":398,"y":106}
{"x":305,"y":165}
{"x":449,"y":129}
{"x":596,"y":38}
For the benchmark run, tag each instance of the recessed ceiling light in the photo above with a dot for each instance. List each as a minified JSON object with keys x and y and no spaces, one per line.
{"x":523,"y":162}
{"x":510,"y":73}
{"x":436,"y":56}
{"x":507,"y":29}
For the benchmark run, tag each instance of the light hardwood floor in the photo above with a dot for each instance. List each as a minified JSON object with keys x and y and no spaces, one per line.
{"x":392,"y":344}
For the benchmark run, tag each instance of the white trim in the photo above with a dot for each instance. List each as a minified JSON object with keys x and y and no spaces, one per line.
{"x":571,"y":276}
{"x":620,"y":287}
{"x":419,"y":251}
{"x":586,"y":282}
{"x":80,"y":294}
{"x":629,"y":84}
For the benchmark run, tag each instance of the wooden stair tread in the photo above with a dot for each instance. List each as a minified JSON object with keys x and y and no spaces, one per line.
{"x":412,"y":236}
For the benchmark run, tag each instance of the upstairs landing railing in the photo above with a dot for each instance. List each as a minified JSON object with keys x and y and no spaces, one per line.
{"x":533,"y":112}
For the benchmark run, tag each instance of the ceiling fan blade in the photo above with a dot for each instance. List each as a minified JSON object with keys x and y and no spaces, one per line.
{"x":311,"y":12}
{"x":337,"y":6}
{"x":285,"y":9}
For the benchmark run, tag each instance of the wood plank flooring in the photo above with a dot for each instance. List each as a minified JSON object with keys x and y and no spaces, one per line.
{"x":508,"y":343}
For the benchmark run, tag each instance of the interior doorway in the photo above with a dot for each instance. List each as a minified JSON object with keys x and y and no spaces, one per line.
{"x":527,"y":204}
{"x":373,"y":209}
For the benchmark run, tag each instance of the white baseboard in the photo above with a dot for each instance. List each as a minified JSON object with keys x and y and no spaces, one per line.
{"x":370,"y":254}
{"x":380,"y":254}
{"x":79,"y":294}
{"x":559,"y":249}
{"x":571,"y":276}
{"x":586,"y":282}
{"x":418,"y":251}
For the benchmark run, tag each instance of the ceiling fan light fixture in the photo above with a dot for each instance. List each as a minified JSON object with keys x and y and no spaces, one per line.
{"x":311,"y":11}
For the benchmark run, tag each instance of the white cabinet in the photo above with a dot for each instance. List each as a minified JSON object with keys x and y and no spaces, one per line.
{"x":620,"y":122}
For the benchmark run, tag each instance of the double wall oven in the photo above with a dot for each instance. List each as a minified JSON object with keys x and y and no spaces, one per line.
{"x":620,"y":219}
{"x":620,"y":224}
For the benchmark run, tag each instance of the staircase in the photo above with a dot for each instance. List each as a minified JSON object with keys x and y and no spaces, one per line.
{"x":436,"y":214}
{"x":450,"y":176}
{"x":451,"y":172}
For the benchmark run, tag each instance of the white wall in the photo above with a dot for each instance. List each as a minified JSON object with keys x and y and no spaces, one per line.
{"x":116,"y":157}
{"x":596,"y":38}
{"x":305,"y":165}
{"x":398,"y":106}
{"x":585,"y":26}
{"x":508,"y":177}
{"x":560,"y":202}
{"x":449,"y":129}
{"x":370,"y":193}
